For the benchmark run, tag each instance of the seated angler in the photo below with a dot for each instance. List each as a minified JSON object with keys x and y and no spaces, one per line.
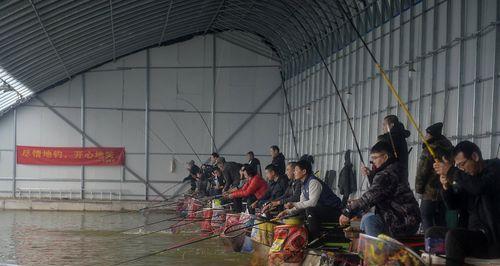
{"x":254,"y":189}
{"x":216,"y":182}
{"x":277,"y":186}
{"x":317,"y":200}
{"x":396,"y":209}
{"x":292,"y":192}
{"x":478,"y":181}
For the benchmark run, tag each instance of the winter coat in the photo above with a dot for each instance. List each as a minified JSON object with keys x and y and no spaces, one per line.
{"x":255,"y":163}
{"x":276,"y":189}
{"x":279,"y":162}
{"x":399,"y":135}
{"x":292,"y":193}
{"x":347,"y":178}
{"x":483,"y":200}
{"x":393,"y":199}
{"x":427,"y":181}
{"x":231,"y":174}
{"x":255,"y":186}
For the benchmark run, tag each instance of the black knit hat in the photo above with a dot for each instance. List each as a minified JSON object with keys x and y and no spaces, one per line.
{"x":435,"y":130}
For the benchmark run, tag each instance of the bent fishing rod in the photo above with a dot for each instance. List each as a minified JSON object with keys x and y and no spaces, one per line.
{"x":387,"y":80}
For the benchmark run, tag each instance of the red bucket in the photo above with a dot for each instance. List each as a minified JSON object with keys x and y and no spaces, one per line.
{"x":194,"y":209}
{"x":206,"y":224}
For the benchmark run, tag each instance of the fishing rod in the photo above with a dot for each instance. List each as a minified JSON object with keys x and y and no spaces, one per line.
{"x":289,"y":113}
{"x":202,"y":119}
{"x":197,"y":240}
{"x":184,"y":136}
{"x":167,"y":190}
{"x":330,"y":75}
{"x":168,"y":219}
{"x":387,"y":80}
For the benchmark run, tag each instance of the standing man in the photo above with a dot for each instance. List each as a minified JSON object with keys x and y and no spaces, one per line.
{"x":193,"y":170}
{"x":478,"y":181}
{"x":395,"y":134}
{"x":278,"y":159}
{"x":427,"y":183}
{"x":254,"y":162}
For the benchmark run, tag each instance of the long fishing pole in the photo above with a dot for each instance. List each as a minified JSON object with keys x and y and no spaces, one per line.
{"x":330,"y":75}
{"x":165,"y":220}
{"x":202,"y":119}
{"x":185,"y":138}
{"x":187,"y":243}
{"x":289,"y":113}
{"x":387,"y":80}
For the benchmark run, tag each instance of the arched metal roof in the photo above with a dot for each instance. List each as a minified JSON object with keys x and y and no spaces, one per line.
{"x":45,"y":42}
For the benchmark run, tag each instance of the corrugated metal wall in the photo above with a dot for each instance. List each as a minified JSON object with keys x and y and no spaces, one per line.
{"x":453,"y":48}
{"x":109,"y":103}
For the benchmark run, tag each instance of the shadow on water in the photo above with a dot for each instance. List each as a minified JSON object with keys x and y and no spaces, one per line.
{"x":87,"y":238}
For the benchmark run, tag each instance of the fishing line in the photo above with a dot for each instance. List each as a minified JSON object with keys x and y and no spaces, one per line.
{"x":330,"y":75}
{"x":387,"y":80}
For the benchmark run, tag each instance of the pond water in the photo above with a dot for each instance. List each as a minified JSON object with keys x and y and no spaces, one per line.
{"x":95,"y":238}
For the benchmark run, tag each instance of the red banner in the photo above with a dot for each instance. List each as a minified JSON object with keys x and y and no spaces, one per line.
{"x":70,"y":156}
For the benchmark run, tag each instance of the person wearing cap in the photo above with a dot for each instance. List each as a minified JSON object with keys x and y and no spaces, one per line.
{"x":396,"y":209}
{"x":427,"y":183}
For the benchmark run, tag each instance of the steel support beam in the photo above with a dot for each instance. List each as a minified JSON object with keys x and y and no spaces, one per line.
{"x":82,"y":128}
{"x":146,"y":121}
{"x":14,"y":160}
{"x":244,"y":123}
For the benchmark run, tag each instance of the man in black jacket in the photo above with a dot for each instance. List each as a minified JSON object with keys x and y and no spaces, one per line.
{"x":193,"y":170}
{"x":292,"y":192}
{"x":396,"y":210}
{"x":277,"y":186}
{"x":479,"y":181}
{"x":230,"y":172}
{"x":254,"y":162}
{"x":278,"y":159}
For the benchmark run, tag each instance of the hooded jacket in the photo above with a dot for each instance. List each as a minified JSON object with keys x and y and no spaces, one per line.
{"x":393,"y":199}
{"x":399,"y":135}
{"x":427,"y":181}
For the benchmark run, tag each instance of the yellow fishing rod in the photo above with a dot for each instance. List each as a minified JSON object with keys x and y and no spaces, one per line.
{"x":388,"y":81}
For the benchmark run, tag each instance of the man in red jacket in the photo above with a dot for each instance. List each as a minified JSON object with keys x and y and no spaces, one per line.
{"x":254,"y":189}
